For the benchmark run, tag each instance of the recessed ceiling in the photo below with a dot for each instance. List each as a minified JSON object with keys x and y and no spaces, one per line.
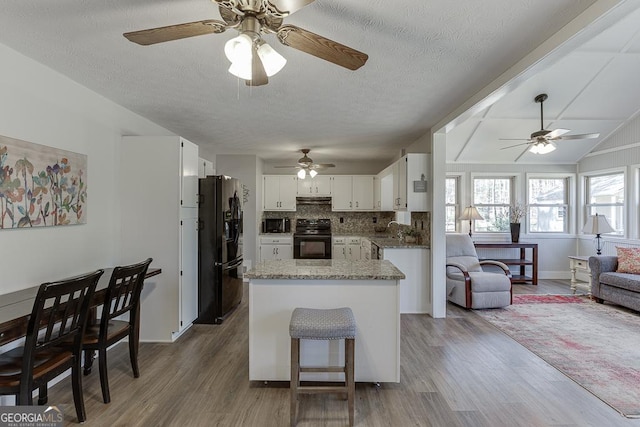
{"x":425,"y":59}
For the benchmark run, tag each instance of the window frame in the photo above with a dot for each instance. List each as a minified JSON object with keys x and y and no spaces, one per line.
{"x":570,"y":201}
{"x":458,"y":202}
{"x":586,"y":206}
{"x":513,"y":195}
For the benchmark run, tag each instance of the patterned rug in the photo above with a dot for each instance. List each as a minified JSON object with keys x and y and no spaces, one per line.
{"x":596,"y":345}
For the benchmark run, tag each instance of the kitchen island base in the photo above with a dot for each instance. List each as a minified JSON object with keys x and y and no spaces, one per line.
{"x":375,"y":305}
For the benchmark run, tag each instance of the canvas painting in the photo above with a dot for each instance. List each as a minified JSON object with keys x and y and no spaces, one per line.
{"x":41,"y":186}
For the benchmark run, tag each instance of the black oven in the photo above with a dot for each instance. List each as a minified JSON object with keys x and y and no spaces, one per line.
{"x":311,"y":247}
{"x":312,"y":239}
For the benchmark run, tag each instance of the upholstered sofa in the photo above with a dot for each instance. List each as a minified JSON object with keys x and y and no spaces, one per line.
{"x":609,"y":285}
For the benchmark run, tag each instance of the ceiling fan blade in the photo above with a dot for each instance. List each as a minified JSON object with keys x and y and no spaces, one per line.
{"x":321,"y":47}
{"x":258,"y":74}
{"x":556,"y":133}
{"x":583,"y":136}
{"x":514,"y":139}
{"x":322,"y":166}
{"x":287,"y":167}
{"x":176,"y":32}
{"x":517,"y":145}
{"x":287,"y":7}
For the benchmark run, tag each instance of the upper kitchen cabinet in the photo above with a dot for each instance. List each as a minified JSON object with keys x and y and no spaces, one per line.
{"x":279,"y":192}
{"x":205,"y":168}
{"x":409,"y":183}
{"x":383,"y":190}
{"x":320,"y":185}
{"x":352,"y":193}
{"x":158,"y":217}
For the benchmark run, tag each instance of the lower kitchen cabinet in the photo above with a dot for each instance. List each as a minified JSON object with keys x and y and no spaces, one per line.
{"x":415,"y":289}
{"x":276,"y":248}
{"x":346,"y":248}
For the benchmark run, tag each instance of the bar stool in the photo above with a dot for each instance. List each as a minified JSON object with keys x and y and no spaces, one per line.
{"x":322,"y":324}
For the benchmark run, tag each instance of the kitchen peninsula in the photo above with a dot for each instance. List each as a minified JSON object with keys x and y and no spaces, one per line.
{"x":369,"y":287}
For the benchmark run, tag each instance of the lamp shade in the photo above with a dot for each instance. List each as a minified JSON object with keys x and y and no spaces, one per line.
{"x":312,"y":173}
{"x":271,"y":60}
{"x":597,"y":224}
{"x":302,"y":174}
{"x":470,"y":213}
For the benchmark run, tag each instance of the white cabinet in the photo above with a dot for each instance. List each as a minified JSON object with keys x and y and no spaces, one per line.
{"x":408,"y":196}
{"x":318,"y":186}
{"x":279,"y":192}
{"x":365,"y":249}
{"x":158,"y":213}
{"x":205,"y":168}
{"x":276,"y":248}
{"x":352,"y":193}
{"x":415,"y":289}
{"x":353,"y":249}
{"x":346,"y":248}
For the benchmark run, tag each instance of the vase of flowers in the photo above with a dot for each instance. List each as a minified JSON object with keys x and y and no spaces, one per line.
{"x":516,"y":213}
{"x":412,"y":236}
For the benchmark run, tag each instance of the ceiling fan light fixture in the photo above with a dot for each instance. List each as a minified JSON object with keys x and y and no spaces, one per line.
{"x":272,"y":61}
{"x":302,"y":174}
{"x":239,"y":49}
{"x":313,"y":173}
{"x":542,"y":147}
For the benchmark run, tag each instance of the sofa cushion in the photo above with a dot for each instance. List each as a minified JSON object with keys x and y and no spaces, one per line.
{"x":628,"y":260}
{"x":630,"y":282}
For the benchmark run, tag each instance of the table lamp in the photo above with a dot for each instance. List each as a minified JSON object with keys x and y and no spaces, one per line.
{"x":470,"y":213}
{"x":597,"y":224}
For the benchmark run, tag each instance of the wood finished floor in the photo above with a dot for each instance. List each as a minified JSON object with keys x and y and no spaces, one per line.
{"x":458,"y":371}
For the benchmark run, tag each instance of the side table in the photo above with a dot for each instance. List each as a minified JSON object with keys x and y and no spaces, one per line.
{"x":579,"y":263}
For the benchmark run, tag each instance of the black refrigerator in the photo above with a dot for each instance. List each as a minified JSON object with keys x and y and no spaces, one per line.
{"x":219,"y":248}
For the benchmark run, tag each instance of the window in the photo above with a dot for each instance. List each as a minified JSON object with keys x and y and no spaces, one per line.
{"x":452,"y":203}
{"x":605,"y":196}
{"x":548,"y":205}
{"x":492,"y":197}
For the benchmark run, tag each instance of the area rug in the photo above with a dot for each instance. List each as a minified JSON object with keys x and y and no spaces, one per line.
{"x":596,"y":345}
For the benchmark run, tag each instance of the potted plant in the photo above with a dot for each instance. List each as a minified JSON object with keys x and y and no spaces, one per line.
{"x":516,"y":213}
{"x":411,"y":235}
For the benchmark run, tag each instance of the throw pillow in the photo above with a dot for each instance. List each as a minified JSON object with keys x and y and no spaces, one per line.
{"x":628,"y":260}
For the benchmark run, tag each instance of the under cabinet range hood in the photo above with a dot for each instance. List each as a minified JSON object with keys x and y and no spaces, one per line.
{"x":313,"y":201}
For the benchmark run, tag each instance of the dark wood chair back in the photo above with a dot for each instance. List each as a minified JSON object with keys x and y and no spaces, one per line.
{"x":123,"y":293}
{"x":54,"y":339}
{"x":122,"y":297}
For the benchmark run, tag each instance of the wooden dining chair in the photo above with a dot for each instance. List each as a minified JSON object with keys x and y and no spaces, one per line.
{"x":53,"y":342}
{"x":122,"y":297}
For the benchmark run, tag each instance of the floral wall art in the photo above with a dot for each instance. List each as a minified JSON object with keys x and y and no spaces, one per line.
{"x":40,"y":186}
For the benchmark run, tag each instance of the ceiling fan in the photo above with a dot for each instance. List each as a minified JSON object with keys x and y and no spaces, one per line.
{"x":252,"y":59}
{"x":542,"y":141}
{"x":306,"y":165}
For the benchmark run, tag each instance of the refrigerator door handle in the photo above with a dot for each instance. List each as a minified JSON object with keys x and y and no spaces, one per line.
{"x":231,"y":265}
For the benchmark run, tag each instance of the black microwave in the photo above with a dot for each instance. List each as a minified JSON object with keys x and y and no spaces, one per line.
{"x":276,"y":225}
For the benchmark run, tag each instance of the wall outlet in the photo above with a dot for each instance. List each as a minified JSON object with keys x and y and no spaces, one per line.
{"x":375,"y":220}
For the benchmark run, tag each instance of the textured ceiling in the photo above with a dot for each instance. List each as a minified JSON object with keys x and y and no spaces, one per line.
{"x":425,"y":59}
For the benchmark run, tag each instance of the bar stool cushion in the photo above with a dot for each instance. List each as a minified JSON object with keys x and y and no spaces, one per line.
{"x":322,"y":324}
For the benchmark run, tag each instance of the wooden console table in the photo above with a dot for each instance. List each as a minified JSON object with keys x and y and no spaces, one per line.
{"x":522,"y":261}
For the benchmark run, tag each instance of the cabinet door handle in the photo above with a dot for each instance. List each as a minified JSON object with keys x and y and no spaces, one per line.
{"x":277,"y":251}
{"x":350,"y":204}
{"x":316,"y":190}
{"x":357,"y":204}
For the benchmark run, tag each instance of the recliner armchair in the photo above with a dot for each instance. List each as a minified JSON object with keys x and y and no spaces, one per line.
{"x":468,"y":285}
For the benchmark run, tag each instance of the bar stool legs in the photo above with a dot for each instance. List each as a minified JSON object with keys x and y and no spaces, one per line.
{"x":315,"y":324}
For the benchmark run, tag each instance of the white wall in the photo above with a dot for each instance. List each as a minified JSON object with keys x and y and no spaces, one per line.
{"x":42,"y":106}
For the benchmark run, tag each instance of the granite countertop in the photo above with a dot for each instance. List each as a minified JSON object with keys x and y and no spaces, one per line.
{"x":325,"y":269}
{"x":385,"y":240}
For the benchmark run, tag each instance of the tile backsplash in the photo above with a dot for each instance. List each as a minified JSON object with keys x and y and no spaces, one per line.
{"x":356,"y":223}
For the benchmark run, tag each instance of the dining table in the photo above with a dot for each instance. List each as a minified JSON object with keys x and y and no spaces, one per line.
{"x":16,"y":307}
